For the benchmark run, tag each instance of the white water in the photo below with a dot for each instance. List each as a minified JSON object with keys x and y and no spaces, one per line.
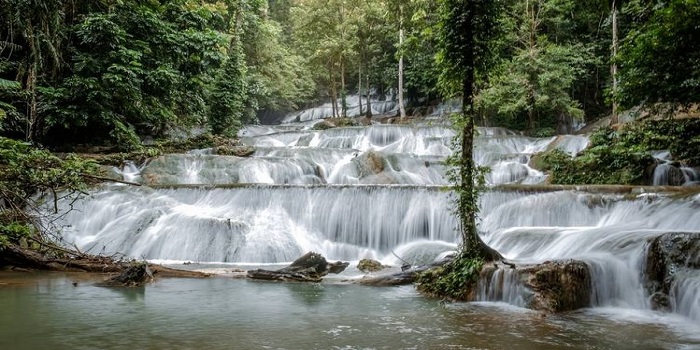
{"x":400,"y":154}
{"x":387,"y":203}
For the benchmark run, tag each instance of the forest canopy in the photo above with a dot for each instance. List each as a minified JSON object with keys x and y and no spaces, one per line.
{"x":115,"y":72}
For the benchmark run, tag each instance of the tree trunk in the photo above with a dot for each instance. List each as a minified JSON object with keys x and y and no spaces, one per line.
{"x":613,"y":67}
{"x":359,"y":87}
{"x":402,"y":109}
{"x":472,"y":243}
{"x":369,"y":94}
{"x":333,"y":91}
{"x":343,"y":92}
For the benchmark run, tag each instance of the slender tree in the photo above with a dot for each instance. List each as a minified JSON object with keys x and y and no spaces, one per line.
{"x":466,"y":27}
{"x":613,"y":66}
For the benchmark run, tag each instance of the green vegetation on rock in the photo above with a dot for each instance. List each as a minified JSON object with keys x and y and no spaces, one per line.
{"x":455,"y":280}
{"x":623,"y":157}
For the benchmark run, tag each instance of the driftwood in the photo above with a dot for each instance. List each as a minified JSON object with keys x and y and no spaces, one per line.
{"x":311,"y":267}
{"x":16,"y":257}
{"x":136,"y":275}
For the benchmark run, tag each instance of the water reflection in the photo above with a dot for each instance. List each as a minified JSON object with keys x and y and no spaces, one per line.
{"x":306,"y":293}
{"x":48,"y":312}
{"x":132,"y":294}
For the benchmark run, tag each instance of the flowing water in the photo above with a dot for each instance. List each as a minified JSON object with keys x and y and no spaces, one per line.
{"x":372,"y":192}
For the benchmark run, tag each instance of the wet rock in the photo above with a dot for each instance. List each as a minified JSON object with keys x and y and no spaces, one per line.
{"x":370,"y":265}
{"x":369,"y":163}
{"x":235,"y":150}
{"x":668,"y":255}
{"x":668,"y":174}
{"x":331,"y":123}
{"x":552,"y":286}
{"x":311,"y":267}
{"x":557,"y":286}
{"x":407,"y":275}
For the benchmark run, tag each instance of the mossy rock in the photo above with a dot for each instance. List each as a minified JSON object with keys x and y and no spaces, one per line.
{"x":370,"y":265}
{"x":238,"y":150}
{"x":669,"y":255}
{"x":324,"y":125}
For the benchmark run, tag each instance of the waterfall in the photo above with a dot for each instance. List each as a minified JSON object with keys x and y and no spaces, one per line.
{"x":259,"y":224}
{"x":503,"y":285}
{"x":371,"y":192}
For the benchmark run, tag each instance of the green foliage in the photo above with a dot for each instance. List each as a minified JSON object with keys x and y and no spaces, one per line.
{"x":533,"y":86}
{"x":25,"y":172}
{"x":14,"y":232}
{"x":598,"y":166}
{"x":659,"y":58}
{"x":455,"y":281}
{"x":623,"y":157}
{"x":228,"y":96}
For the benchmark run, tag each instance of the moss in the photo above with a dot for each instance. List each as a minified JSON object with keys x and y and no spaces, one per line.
{"x":369,"y":265}
{"x":324,"y":125}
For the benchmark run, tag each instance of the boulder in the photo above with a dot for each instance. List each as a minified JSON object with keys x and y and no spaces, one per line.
{"x":557,"y":286}
{"x":311,"y":267}
{"x":552,"y":286}
{"x":369,"y":163}
{"x":668,"y":255}
{"x":370,"y":265}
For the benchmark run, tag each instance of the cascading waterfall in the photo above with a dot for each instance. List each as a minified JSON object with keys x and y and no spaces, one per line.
{"x":610,"y":233}
{"x":260,"y":224}
{"x":369,"y":192}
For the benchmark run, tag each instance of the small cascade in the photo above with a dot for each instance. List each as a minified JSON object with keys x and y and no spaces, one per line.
{"x":325,"y":111}
{"x":670,"y":173}
{"x":685,"y":296}
{"x":503,"y":285}
{"x":129,"y":172}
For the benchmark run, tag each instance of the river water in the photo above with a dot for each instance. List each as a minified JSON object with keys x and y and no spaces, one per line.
{"x":351,"y":193}
{"x":46,"y":311}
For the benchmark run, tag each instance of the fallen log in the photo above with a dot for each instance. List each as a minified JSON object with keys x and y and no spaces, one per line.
{"x":16,"y":257}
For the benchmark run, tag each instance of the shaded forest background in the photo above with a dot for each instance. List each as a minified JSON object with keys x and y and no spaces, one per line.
{"x":118,"y":72}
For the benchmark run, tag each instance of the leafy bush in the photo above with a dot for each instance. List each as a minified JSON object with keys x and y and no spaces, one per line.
{"x":455,"y":280}
{"x":25,"y":172}
{"x":623,"y":157}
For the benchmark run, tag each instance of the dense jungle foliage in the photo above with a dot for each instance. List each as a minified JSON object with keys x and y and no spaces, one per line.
{"x":116,"y":72}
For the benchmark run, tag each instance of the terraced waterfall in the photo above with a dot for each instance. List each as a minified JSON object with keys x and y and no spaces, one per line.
{"x":365,"y":192}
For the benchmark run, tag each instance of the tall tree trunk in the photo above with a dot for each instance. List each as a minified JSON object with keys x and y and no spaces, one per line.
{"x":369,"y":96}
{"x":333,"y":91}
{"x":473,"y":244}
{"x":30,"y":84}
{"x":359,"y":86}
{"x":343,"y":91}
{"x":613,"y":67}
{"x":402,"y":108}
